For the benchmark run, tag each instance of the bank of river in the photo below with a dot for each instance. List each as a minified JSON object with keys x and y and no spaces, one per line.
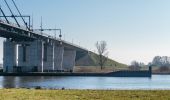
{"x":32,"y":94}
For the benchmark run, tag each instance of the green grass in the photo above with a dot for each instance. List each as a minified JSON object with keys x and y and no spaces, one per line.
{"x":91,"y":60}
{"x":31,"y":94}
{"x":109,"y":62}
{"x":89,"y":63}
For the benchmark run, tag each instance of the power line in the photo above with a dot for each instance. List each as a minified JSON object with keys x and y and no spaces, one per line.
{"x":21,"y":16}
{"x":60,"y":35}
{"x":12,"y":13}
{"x":4,"y":15}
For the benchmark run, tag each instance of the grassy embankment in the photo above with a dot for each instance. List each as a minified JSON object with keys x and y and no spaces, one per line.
{"x":30,"y":94}
{"x":89,"y":63}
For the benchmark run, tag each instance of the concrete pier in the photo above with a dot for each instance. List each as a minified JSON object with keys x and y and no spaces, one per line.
{"x":58,"y":57}
{"x":30,"y":56}
{"x":69,"y":60}
{"x":10,"y":55}
{"x":48,"y":57}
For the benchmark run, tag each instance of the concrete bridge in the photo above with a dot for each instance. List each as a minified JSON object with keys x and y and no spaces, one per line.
{"x":29,"y":51}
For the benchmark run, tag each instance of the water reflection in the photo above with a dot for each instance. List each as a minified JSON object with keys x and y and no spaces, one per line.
{"x":9,"y":82}
{"x":156,"y":82}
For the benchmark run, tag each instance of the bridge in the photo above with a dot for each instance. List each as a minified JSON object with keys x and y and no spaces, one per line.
{"x":29,"y":51}
{"x":26,"y":50}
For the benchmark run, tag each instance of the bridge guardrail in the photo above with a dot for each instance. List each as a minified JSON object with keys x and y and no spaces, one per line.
{"x":13,"y":24}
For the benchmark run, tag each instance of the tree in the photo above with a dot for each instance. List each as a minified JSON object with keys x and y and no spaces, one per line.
{"x":102,"y":53}
{"x":135,"y":65}
{"x":161,"y":61}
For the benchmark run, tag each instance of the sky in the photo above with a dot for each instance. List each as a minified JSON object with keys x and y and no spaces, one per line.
{"x":133,"y":29}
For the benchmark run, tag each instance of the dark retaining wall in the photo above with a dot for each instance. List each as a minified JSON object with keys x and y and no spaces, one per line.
{"x":112,"y":74}
{"x":147,"y":73}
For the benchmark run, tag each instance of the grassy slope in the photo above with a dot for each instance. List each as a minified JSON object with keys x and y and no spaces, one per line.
{"x":26,"y":94}
{"x":91,"y":60}
{"x":89,"y":63}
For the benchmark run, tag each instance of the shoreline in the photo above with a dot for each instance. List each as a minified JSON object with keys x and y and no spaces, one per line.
{"x":160,"y":73}
{"x":34,"y":94}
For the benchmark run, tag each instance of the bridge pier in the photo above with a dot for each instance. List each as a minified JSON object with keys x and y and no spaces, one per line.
{"x":48,"y":58}
{"x":30,"y":56}
{"x":69,"y":60}
{"x":23,"y":57}
{"x":58,"y":57}
{"x":9,"y":55}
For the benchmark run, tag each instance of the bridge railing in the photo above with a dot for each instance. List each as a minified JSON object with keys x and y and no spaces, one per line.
{"x":52,"y":37}
{"x":74,"y":45}
{"x":13,"y":24}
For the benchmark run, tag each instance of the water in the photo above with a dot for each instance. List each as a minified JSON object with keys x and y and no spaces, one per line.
{"x":156,"y":82}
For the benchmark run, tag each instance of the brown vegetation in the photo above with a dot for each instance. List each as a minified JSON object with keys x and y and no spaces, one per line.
{"x":134,"y":68}
{"x":161,"y":70}
{"x":97,"y":69}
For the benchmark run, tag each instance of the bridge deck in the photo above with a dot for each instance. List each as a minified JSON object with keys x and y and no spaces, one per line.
{"x":15,"y":33}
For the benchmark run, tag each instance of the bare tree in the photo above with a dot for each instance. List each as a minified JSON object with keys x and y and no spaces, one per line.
{"x":102,"y":53}
{"x":135,"y":66}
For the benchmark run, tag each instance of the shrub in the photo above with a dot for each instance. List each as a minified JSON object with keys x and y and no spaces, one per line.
{"x":134,"y":68}
{"x":164,"y":69}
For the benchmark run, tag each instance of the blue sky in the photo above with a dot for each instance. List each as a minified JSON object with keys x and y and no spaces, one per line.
{"x":133,"y":29}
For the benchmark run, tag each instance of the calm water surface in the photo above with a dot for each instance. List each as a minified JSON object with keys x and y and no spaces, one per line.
{"x":156,"y":82}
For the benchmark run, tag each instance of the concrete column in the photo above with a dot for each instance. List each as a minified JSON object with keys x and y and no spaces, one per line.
{"x":69,"y":60}
{"x":58,"y":57}
{"x":23,"y":57}
{"x":10,"y":56}
{"x":53,"y":55}
{"x":30,"y":56}
{"x":48,"y":57}
{"x":37,"y":55}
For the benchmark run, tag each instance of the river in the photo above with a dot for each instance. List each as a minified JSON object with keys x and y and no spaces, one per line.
{"x":118,"y":83}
